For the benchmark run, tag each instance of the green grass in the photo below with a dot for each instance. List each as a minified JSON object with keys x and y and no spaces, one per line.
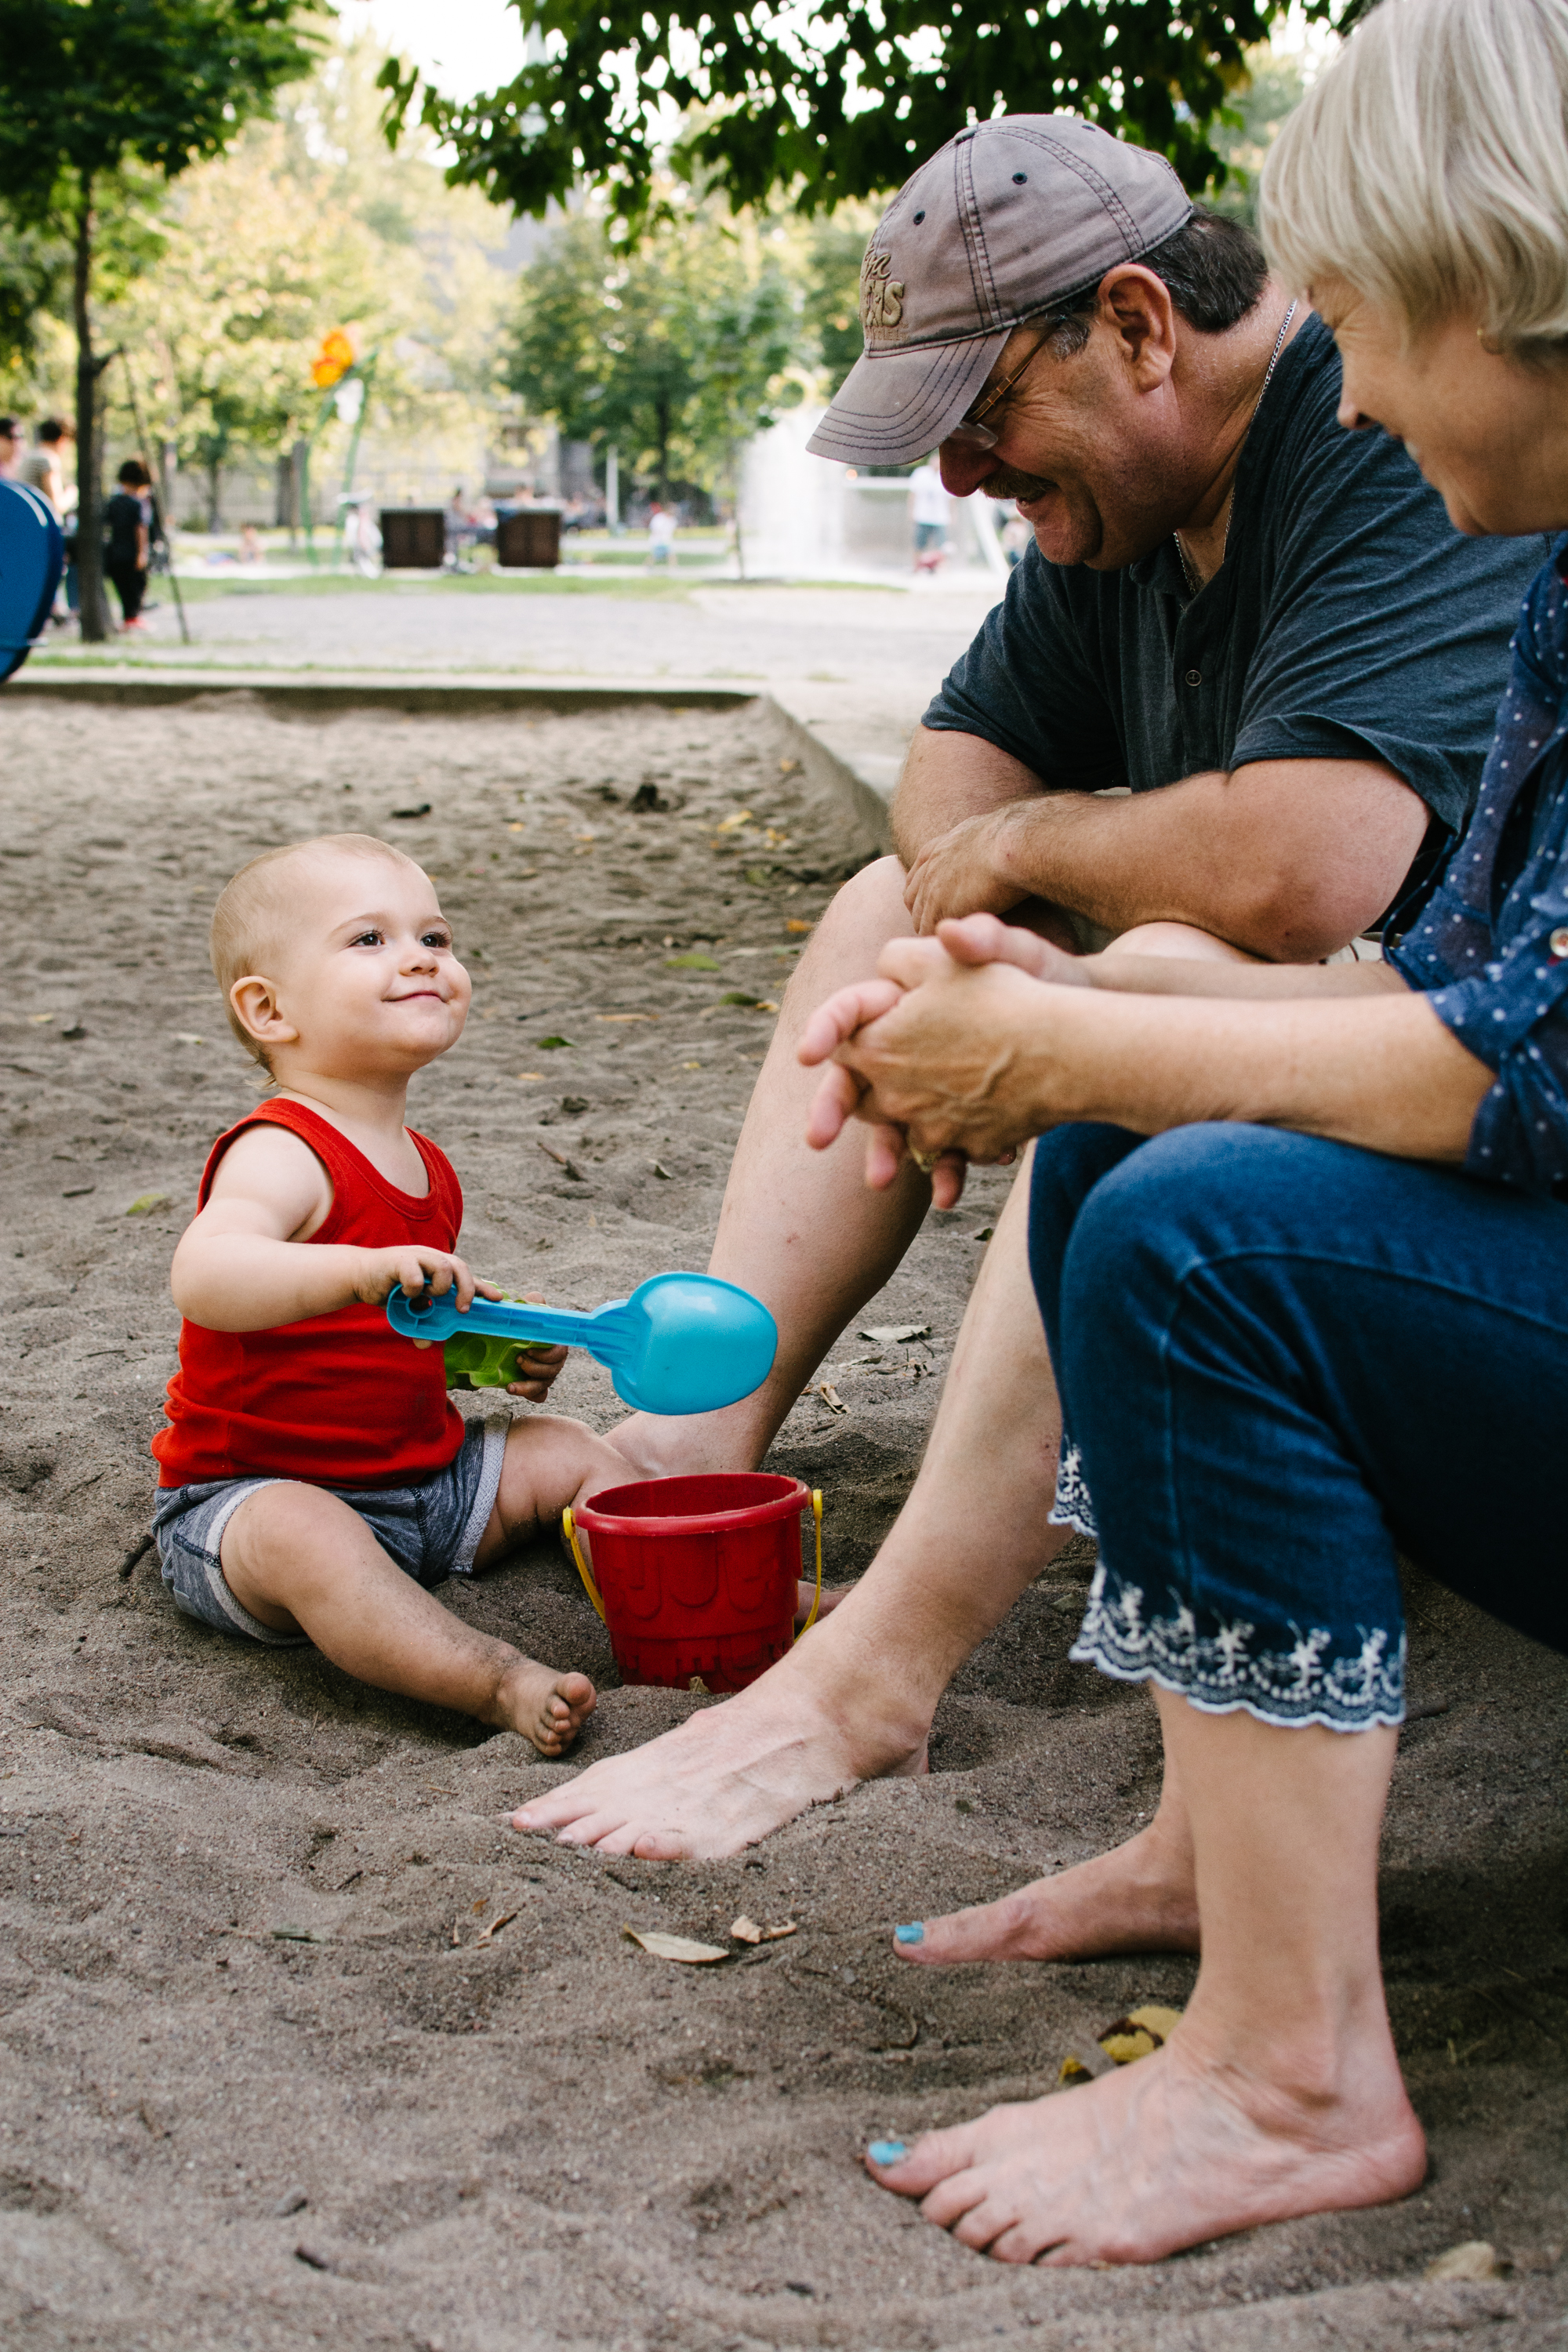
{"x":199,"y":591}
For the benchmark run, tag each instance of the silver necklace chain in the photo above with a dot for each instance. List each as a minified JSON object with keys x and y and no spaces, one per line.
{"x":1194,"y":583}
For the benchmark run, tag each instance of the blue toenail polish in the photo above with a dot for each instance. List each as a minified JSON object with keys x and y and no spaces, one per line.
{"x":914,"y":1935}
{"x":887,"y":2151}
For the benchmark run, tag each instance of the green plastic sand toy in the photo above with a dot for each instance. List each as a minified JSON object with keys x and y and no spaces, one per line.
{"x":475,"y":1360}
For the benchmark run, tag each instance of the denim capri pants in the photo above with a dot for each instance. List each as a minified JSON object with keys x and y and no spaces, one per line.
{"x":431,"y":1529}
{"x":1281,"y":1361}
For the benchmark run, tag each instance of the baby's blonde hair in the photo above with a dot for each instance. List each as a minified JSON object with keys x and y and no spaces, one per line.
{"x":255,"y":913}
{"x":1428,"y":166}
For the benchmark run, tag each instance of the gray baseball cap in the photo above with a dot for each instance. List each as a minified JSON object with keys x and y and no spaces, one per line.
{"x":1008,"y":219}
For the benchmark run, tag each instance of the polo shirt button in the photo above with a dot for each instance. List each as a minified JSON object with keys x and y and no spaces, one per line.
{"x":1195,"y":678}
{"x":1558,"y":942}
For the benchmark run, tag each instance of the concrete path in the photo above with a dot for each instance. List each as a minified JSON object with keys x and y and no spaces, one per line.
{"x":853,"y":667}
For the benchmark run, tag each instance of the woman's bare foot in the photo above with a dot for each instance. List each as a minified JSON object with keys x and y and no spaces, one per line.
{"x":545,"y":1706}
{"x":726,"y":1777}
{"x":1187,"y":2145}
{"x":1139,"y":1897}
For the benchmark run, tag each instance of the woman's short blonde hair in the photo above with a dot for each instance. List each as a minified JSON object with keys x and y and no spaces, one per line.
{"x":1428,"y":167}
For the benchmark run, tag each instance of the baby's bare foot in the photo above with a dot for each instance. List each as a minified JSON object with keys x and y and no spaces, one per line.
{"x":1140,"y":1897}
{"x":547,"y":1707}
{"x":727,"y":1776}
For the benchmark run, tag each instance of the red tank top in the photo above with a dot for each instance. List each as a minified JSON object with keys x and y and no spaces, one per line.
{"x":341,"y":1400}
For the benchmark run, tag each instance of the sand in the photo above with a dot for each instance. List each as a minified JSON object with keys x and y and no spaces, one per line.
{"x":376,"y":2128}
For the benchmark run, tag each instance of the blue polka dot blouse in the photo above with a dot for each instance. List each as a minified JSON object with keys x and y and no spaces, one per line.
{"x":1490,"y":946}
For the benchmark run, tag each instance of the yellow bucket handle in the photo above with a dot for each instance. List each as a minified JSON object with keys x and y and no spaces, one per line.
{"x":816,"y":1597}
{"x":569,"y":1529}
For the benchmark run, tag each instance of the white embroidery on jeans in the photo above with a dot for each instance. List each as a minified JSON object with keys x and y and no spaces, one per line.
{"x":1296,"y":1683}
{"x":1073,"y":1507}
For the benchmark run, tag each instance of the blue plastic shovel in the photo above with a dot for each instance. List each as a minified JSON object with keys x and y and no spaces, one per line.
{"x":680,"y":1343}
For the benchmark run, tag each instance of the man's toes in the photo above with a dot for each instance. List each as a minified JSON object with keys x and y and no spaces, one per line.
{"x":597,"y":1829}
{"x":660,"y":1845}
{"x":542,"y":1819}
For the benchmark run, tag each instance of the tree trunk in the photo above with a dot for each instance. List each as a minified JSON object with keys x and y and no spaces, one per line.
{"x":734,"y":455}
{"x":215,"y":474}
{"x":662,"y":412}
{"x":95,"y":622}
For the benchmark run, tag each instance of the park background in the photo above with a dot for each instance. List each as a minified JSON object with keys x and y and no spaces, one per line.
{"x":599,"y":355}
{"x":299,"y":2044}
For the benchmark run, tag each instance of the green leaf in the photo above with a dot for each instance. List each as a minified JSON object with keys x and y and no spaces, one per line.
{"x":689,"y":964}
{"x":836,"y":106}
{"x":554,"y":1044}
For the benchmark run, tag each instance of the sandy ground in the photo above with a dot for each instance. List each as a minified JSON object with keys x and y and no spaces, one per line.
{"x":373,"y":2130}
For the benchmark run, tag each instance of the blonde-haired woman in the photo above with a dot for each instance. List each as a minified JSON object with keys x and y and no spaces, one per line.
{"x":1300,"y":1244}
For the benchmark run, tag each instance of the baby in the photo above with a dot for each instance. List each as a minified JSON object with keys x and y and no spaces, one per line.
{"x":315,"y":1480}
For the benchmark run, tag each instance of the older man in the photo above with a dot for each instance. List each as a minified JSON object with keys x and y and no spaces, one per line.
{"x":1257,"y":624}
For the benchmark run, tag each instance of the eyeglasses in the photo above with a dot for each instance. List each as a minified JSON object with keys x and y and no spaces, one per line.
{"x":969,"y":430}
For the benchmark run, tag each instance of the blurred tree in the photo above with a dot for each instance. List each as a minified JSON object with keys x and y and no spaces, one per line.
{"x":831,"y":309}
{"x":305,"y":224}
{"x":1273,"y":90}
{"x":92,"y":88}
{"x":825,"y":107}
{"x":675,"y":351}
{"x":35,"y":271}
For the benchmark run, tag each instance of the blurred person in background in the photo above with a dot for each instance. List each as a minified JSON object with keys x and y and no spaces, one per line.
{"x":43,"y":470}
{"x":42,"y":467}
{"x":928,"y":513}
{"x":128,"y":540}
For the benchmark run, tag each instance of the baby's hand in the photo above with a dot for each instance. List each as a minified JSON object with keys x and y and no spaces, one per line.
{"x":539,"y":1366}
{"x":410,"y":1268}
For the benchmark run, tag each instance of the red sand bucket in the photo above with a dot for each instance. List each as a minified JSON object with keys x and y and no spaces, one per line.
{"x":697,"y":1577}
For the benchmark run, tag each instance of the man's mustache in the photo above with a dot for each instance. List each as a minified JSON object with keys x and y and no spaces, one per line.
{"x":1006,"y":483}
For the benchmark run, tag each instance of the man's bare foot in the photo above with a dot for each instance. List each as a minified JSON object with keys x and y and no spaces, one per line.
{"x":1139,"y":1897}
{"x":1178,"y":2148}
{"x":545,"y":1707}
{"x":725,"y":1778}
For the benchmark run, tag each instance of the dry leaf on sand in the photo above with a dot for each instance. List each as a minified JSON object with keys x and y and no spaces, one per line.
{"x":674,"y":1948}
{"x":1474,"y":2260}
{"x":1137,"y":2036}
{"x":746,"y":1931}
{"x":1140,"y":2034}
{"x":486,"y":1934}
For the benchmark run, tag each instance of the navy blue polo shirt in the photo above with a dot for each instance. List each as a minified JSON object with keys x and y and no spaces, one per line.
{"x":1348,"y":620}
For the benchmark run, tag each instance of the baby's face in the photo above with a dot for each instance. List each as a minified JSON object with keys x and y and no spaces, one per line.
{"x":368,"y":976}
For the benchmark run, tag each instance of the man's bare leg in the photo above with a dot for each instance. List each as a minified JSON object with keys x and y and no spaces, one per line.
{"x":1279,"y":2092}
{"x":854,"y":1698}
{"x":1139,"y":1897}
{"x":798,"y":1228}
